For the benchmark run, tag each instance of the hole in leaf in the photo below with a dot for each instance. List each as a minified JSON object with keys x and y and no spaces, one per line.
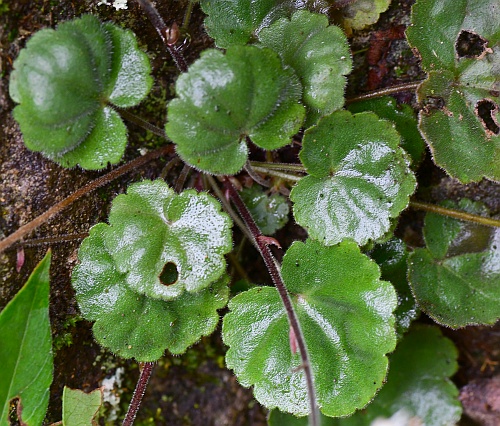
{"x":471,"y":45}
{"x":169,"y":274}
{"x":433,"y":102}
{"x":486,"y":110}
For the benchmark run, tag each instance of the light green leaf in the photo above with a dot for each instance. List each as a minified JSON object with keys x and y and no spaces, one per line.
{"x":320,"y":56}
{"x":456,"y":279}
{"x":63,"y":81}
{"x":359,"y":178}
{"x":460,"y":51}
{"x":270,"y":212}
{"x":345,"y":313}
{"x":26,"y":349}
{"x":361,"y":13}
{"x":223,"y":99}
{"x":80,"y":408}
{"x":131,"y":324}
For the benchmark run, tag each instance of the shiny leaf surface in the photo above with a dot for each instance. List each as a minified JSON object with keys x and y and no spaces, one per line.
{"x":80,"y":408}
{"x":223,"y":99}
{"x":345,"y":313}
{"x":26,"y":349}
{"x":359,"y":178}
{"x":131,"y":324}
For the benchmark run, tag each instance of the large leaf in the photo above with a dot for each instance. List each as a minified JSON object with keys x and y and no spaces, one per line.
{"x":223,"y":99}
{"x":460,"y":51}
{"x":359,"y":178}
{"x":26,"y":349}
{"x":456,"y":279}
{"x":318,"y":53}
{"x":63,"y":81}
{"x":166,"y":243}
{"x":80,"y":408}
{"x":345,"y":313}
{"x":131,"y":324}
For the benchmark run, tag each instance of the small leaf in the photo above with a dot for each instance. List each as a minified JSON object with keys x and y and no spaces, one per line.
{"x":223,"y":99}
{"x":26,"y":349}
{"x":461,"y":96}
{"x":63,"y":81}
{"x":456,"y":279}
{"x":318,"y":53}
{"x":403,"y":118}
{"x":270,"y":212}
{"x":361,"y":13}
{"x":345,"y":313}
{"x":131,"y":324}
{"x":80,"y":408}
{"x":359,"y":178}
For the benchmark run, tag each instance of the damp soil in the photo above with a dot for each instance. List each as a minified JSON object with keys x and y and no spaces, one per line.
{"x":195,"y":389}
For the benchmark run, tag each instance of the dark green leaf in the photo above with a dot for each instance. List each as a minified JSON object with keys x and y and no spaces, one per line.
{"x":80,"y":408}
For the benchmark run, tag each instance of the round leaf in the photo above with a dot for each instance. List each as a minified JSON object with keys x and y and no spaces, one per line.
{"x":359,"y":178}
{"x":318,"y":53}
{"x":223,"y":99}
{"x":131,"y":324}
{"x":345,"y":313}
{"x":361,"y":13}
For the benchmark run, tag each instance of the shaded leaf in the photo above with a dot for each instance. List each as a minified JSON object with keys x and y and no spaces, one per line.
{"x":210,"y":128}
{"x":26,"y":348}
{"x":359,"y":178}
{"x":345,"y":313}
{"x":80,"y":408}
{"x":361,"y":13}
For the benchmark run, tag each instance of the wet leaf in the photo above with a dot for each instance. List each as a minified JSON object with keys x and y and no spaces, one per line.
{"x":270,"y":212}
{"x":359,"y":178}
{"x":345,"y":313}
{"x":210,"y":128}
{"x":80,"y":408}
{"x":26,"y":348}
{"x":456,"y":279}
{"x":361,"y":13}
{"x":460,"y":119}
{"x":131,"y":324}
{"x":318,"y":53}
{"x":64,"y":80}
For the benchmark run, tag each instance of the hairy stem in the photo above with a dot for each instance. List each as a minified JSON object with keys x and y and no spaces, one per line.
{"x":405,"y":87}
{"x":141,"y":122}
{"x":274,"y":271}
{"x":140,"y":388}
{"x":456,"y":214}
{"x":91,"y":186}
{"x":287,"y":167}
{"x":271,"y":172}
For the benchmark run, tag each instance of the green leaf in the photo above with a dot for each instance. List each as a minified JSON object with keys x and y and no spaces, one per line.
{"x":63,"y":81}
{"x":403,"y":118}
{"x":345,"y":313}
{"x":26,"y":354}
{"x":223,"y":99}
{"x":456,"y":279}
{"x":361,"y":13}
{"x":320,"y":56}
{"x":131,"y":324}
{"x":270,"y":212}
{"x":166,"y":243}
{"x":460,"y":119}
{"x":359,"y":178}
{"x":418,"y":389}
{"x":80,"y":408}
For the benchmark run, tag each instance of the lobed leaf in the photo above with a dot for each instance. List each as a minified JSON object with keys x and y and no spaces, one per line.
{"x":359,"y":178}
{"x":211,"y":129}
{"x":361,"y":13}
{"x":64,"y":81}
{"x":80,"y":408}
{"x":345,"y":313}
{"x":26,"y":349}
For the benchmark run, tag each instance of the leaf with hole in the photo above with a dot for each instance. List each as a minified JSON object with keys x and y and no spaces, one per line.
{"x":80,"y":408}
{"x":226,"y":98}
{"x":130,"y":323}
{"x":26,"y":349}
{"x":320,"y":56}
{"x":461,"y":96}
{"x":359,"y":178}
{"x":456,"y":279}
{"x":345,"y":313}
{"x":66,"y":82}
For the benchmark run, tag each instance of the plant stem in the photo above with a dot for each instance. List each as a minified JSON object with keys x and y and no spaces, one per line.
{"x":456,"y":214}
{"x":251,"y":172}
{"x":141,"y":122}
{"x":91,"y":186}
{"x":287,"y":167}
{"x":405,"y":87}
{"x":163,"y":31}
{"x":140,"y":388}
{"x":276,"y":173}
{"x":274,"y":271}
{"x":181,"y":179}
